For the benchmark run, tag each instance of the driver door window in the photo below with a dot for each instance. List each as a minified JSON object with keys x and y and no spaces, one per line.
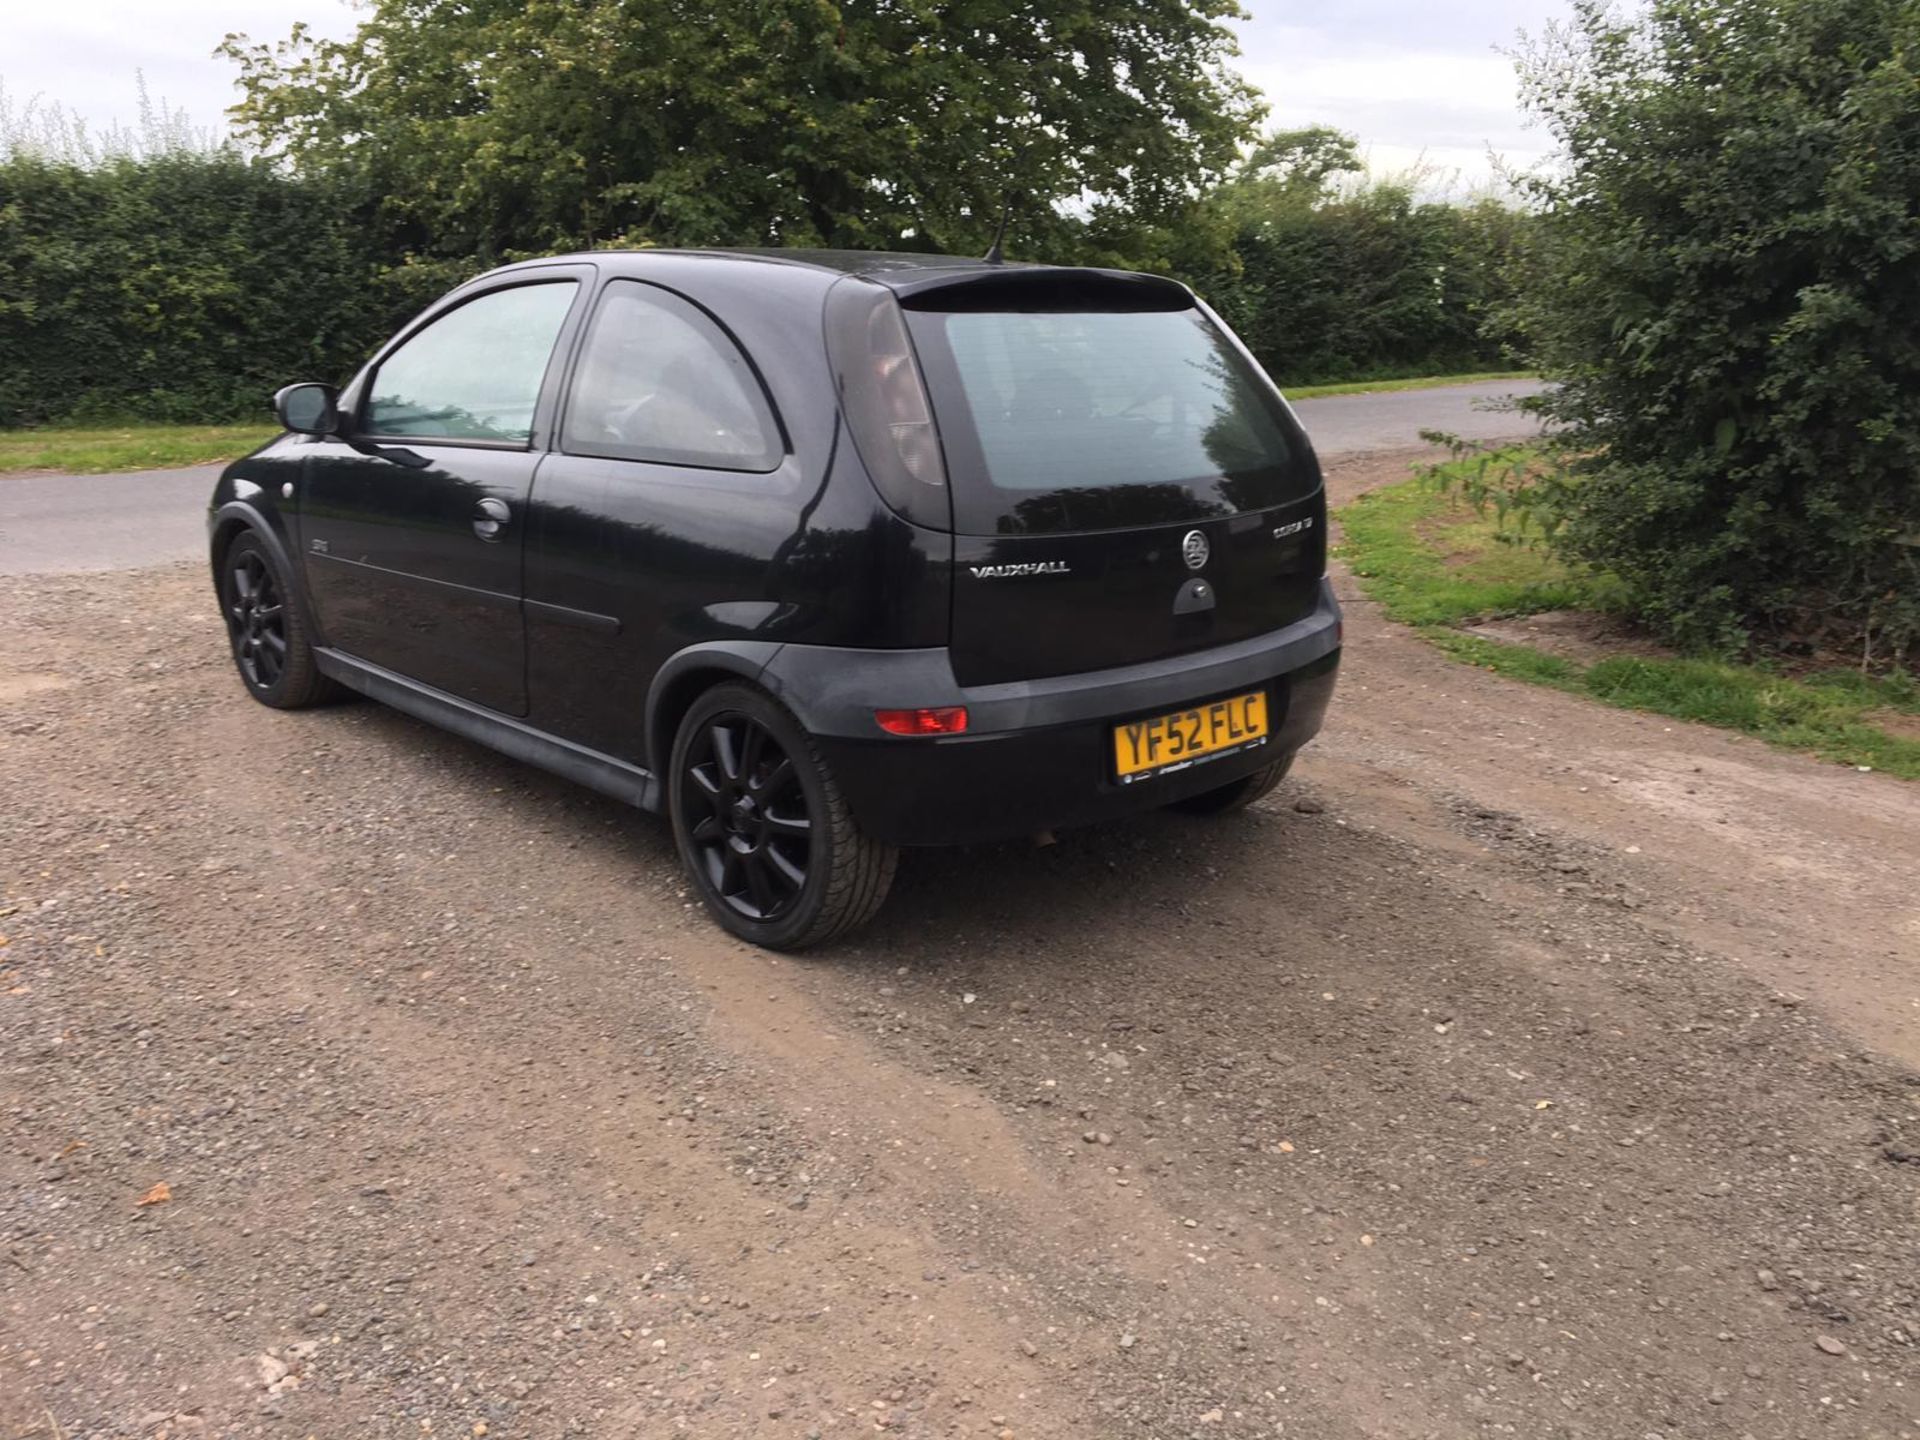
{"x":418,"y":569}
{"x":474,"y":374}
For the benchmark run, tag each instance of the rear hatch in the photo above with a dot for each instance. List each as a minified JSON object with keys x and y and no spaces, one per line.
{"x":1126,"y":485}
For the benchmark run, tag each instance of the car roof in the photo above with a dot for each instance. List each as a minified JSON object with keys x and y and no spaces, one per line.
{"x":902,"y":271}
{"x":860,"y":262}
{"x":839,"y":262}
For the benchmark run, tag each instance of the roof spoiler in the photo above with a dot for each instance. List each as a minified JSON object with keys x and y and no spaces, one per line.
{"x":1038,"y":287}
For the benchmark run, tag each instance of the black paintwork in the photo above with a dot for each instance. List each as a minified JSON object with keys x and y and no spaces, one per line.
{"x":1122,"y":603}
{"x":576,"y":627}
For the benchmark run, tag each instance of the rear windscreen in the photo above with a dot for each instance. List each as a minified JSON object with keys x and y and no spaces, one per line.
{"x":1101,"y":420}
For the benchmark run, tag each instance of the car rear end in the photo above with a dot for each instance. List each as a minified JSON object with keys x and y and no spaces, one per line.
{"x":1139,"y":605}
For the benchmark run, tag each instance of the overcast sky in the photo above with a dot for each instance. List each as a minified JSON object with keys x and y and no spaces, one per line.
{"x":1411,"y":78}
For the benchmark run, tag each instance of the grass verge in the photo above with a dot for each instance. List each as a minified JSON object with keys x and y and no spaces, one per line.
{"x":1434,"y":564}
{"x":101,"y":450}
{"x":1383,"y":387}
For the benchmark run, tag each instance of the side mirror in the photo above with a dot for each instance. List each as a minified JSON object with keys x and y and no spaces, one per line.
{"x":308,"y":409}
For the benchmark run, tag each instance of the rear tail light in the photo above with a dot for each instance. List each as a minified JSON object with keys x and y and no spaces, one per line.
{"x":939,"y":720}
{"x":903,"y":399}
{"x":884,"y":398}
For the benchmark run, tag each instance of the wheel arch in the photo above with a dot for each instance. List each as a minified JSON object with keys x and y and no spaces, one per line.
{"x":235,"y":518}
{"x":688,"y":675}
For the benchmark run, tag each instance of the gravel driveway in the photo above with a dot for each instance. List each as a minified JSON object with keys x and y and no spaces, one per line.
{"x":1521,"y":1068}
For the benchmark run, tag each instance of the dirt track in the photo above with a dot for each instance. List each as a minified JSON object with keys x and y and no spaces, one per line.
{"x":1522,"y":1068}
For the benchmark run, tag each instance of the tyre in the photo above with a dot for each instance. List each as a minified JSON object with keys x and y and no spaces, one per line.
{"x":267,"y":629}
{"x":762,"y":828}
{"x":1237,"y":795}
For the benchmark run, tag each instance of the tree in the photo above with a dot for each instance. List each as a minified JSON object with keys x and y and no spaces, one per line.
{"x":1288,"y":172}
{"x":501,"y":126}
{"x":1728,"y":295}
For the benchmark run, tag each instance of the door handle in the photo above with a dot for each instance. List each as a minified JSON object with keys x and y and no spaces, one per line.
{"x":492,"y":515}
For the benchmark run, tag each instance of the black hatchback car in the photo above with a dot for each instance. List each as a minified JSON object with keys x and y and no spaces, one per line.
{"x":820,"y":553}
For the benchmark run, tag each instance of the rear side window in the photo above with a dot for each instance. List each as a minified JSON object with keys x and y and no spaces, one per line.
{"x":659,"y":381}
{"x":475,"y":373}
{"x":1099,"y":420}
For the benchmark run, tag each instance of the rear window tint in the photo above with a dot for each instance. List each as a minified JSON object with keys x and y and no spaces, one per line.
{"x":1099,"y":420}
{"x":659,"y":381}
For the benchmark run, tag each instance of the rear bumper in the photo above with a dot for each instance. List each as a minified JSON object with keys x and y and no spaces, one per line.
{"x":1038,"y":755}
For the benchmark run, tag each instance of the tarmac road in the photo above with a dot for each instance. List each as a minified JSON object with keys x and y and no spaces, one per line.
{"x":59,"y":524}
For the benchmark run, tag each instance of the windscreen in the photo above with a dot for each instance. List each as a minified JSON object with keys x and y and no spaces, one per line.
{"x":1097,"y":420}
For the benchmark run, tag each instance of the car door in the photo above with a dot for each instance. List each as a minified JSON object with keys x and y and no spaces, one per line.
{"x":412,"y":523}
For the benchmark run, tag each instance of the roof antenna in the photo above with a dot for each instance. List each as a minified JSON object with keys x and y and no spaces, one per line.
{"x":993,"y":255}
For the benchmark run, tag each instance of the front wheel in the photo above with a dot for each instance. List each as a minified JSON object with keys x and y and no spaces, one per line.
{"x":1236,"y":795}
{"x":271,"y":649}
{"x":762,"y":828}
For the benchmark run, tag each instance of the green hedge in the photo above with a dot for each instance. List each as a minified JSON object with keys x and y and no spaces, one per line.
{"x":187,"y":286}
{"x":1375,"y":285}
{"x":184,"y":287}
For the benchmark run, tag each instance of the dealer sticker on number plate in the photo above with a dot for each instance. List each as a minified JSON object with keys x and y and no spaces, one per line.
{"x":1143,"y":749}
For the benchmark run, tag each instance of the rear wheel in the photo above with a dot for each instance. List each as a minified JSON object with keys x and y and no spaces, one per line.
{"x":762,"y":828}
{"x":1238,"y":794}
{"x":267,"y":630}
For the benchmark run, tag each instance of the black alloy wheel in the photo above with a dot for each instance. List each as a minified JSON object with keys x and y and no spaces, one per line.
{"x":762,"y":827}
{"x":267,"y":628}
{"x":748,"y":817}
{"x":256,"y":618}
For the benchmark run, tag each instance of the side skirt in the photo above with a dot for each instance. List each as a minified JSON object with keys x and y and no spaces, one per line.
{"x":618,"y":778}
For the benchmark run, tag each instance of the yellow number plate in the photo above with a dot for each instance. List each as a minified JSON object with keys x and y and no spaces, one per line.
{"x":1166,"y":743}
